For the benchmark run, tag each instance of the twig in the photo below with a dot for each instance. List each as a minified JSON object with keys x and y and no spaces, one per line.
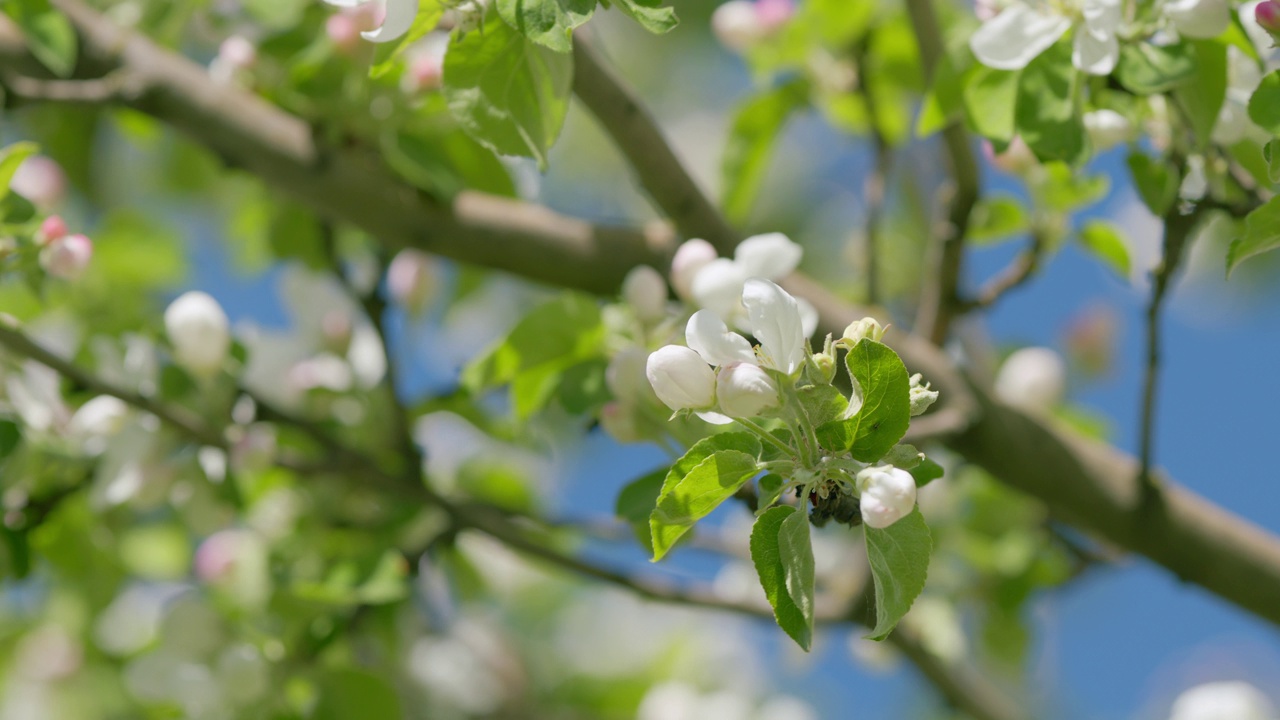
{"x":1018,"y":272}
{"x":112,"y":87}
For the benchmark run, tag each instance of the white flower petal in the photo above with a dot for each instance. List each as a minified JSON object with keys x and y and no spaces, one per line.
{"x":715,"y":418}
{"x":717,"y":286}
{"x":769,"y":256}
{"x":808,"y":317}
{"x":775,"y":321}
{"x":1095,"y":53}
{"x":1016,"y":36}
{"x":1199,"y":18}
{"x":1102,"y":17}
{"x":400,"y":16}
{"x":690,"y":257}
{"x":707,"y":334}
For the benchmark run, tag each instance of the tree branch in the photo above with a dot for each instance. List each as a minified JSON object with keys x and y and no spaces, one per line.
{"x":1081,"y":481}
{"x":1023,"y":267}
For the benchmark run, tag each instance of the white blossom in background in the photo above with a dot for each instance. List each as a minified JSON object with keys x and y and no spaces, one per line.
{"x":1243,"y":77}
{"x":1198,"y":18}
{"x":1107,"y":128}
{"x":67,"y":257}
{"x":51,"y":228}
{"x":97,"y":420}
{"x":1223,"y":701}
{"x":716,"y":283}
{"x":1033,"y":378}
{"x":646,"y":292}
{"x":1021,"y":31}
{"x":236,"y":56}
{"x":424,"y":69}
{"x":41,"y":180}
{"x":397,"y":17}
{"x":744,"y":390}
{"x":741,"y":24}
{"x":690,"y":257}
{"x":886,"y":494}
{"x":200,"y":333}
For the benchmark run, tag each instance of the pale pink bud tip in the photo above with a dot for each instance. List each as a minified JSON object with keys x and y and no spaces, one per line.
{"x":53,"y":228}
{"x":41,"y":180}
{"x":238,"y":52}
{"x":1267,"y":14}
{"x":67,"y":257}
{"x":343,"y":32}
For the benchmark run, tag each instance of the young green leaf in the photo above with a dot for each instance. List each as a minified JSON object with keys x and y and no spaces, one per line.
{"x":796,"y":553}
{"x":1157,"y":182}
{"x":557,"y":334}
{"x":651,"y":14}
{"x":899,"y":558}
{"x":882,"y":419}
{"x":1203,"y":93}
{"x":1261,"y":233}
{"x":822,"y":403}
{"x":547,"y":22}
{"x":767,"y":557}
{"x":705,"y":448}
{"x":1146,"y":68}
{"x":751,"y":140}
{"x":1271,"y":155}
{"x":49,"y":34}
{"x":1048,"y":117}
{"x":708,"y":484}
{"x":1105,"y":242}
{"x":1264,"y":105}
{"x":997,"y":218}
{"x":925,"y":472}
{"x":10,"y":158}
{"x":506,"y":91}
{"x":990,"y":100}
{"x":769,"y":489}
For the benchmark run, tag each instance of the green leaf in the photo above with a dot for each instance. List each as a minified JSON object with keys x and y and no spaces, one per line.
{"x":651,"y":14}
{"x":347,"y":693}
{"x":10,"y":159}
{"x":557,"y":334}
{"x":1146,"y":69}
{"x":1272,"y":158}
{"x":1048,"y":117}
{"x":10,"y":436}
{"x":387,"y":55}
{"x":1264,"y":105}
{"x":638,"y":497}
{"x":882,"y":419}
{"x":751,"y":140}
{"x":822,"y":403}
{"x":1064,"y":189}
{"x":1156,"y":180}
{"x":996,"y":218}
{"x":708,"y":484}
{"x":944,"y":101}
{"x":899,"y":558}
{"x":796,"y":552}
{"x":506,"y":91}
{"x":769,"y":489}
{"x":1261,"y":233}
{"x":767,"y":557}
{"x":547,"y":22}
{"x":49,"y":34}
{"x":705,"y":448}
{"x":1104,"y":240}
{"x":1202,"y":94}
{"x":925,"y":472}
{"x":990,"y":102}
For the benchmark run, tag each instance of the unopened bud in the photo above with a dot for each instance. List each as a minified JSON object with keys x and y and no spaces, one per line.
{"x":921,"y":396}
{"x":1267,"y":13}
{"x":625,"y":375}
{"x":690,"y":257}
{"x":864,"y":329}
{"x":199,"y":331}
{"x":826,"y":365}
{"x":737,"y":25}
{"x":646,"y":292}
{"x":53,"y":228}
{"x":773,"y":14}
{"x":41,"y":180}
{"x":745,"y":390}
{"x":1107,"y":128}
{"x":344,"y":32}
{"x":885,"y":495}
{"x":424,"y":73}
{"x":681,"y":378}
{"x":67,"y":257}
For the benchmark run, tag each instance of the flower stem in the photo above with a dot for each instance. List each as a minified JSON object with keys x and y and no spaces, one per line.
{"x":766,"y":436}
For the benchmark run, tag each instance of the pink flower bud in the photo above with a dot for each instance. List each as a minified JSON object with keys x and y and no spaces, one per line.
{"x":737,"y":25}
{"x":67,"y":257}
{"x":368,"y":16}
{"x":53,"y":228}
{"x":343,"y":32}
{"x":1267,"y":13}
{"x":40,"y":180}
{"x":411,"y":279}
{"x":773,"y":14}
{"x":238,"y":52}
{"x":424,"y":74}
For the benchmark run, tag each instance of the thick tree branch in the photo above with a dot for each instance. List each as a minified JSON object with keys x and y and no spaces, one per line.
{"x":1083,"y":482}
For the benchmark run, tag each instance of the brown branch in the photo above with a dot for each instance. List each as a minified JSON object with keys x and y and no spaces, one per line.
{"x":1021,"y":270}
{"x":1084,"y":482}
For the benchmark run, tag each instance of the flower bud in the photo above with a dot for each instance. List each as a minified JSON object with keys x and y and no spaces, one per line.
{"x":744,"y":390}
{"x":619,"y":421}
{"x":625,"y":376}
{"x":41,"y":180}
{"x":690,"y":257}
{"x":199,"y":331}
{"x":921,"y":396}
{"x":771,"y":256}
{"x":1033,"y":379}
{"x":411,"y":280}
{"x":737,"y":25}
{"x":773,"y":14}
{"x":1202,"y":19}
{"x":680,"y":378}
{"x":864,"y":329}
{"x":1267,"y":13}
{"x":425,"y":72}
{"x":886,"y":495}
{"x":646,"y":292}
{"x":53,"y":228}
{"x":1221,"y":700}
{"x":826,"y":365}
{"x":344,"y":32}
{"x":67,"y":257}
{"x":97,"y":420}
{"x":236,"y":55}
{"x":1107,"y":128}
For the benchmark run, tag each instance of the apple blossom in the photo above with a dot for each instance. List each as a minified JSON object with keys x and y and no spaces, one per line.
{"x":737,"y":26}
{"x":199,"y":331}
{"x":743,"y":390}
{"x":102,"y":416}
{"x":1022,"y":31}
{"x":41,"y":180}
{"x":707,"y":335}
{"x":67,"y":257}
{"x":772,"y":255}
{"x":773,"y":14}
{"x":236,"y":55}
{"x":1223,"y":701}
{"x":343,"y":31}
{"x":776,"y":323}
{"x":424,"y":70}
{"x":51,"y":228}
{"x":646,"y":292}
{"x":412,"y":278}
{"x":690,"y":257}
{"x":718,"y":287}
{"x":886,"y":494}
{"x":625,"y":375}
{"x":1033,"y":378}
{"x":1107,"y":128}
{"x":921,"y":396}
{"x":1243,"y":77}
{"x":681,"y":379}
{"x":1267,"y":15}
{"x":865,"y":329}
{"x":399,"y":17}
{"x":1198,"y":18}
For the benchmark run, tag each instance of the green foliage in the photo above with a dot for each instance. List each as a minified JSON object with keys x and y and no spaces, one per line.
{"x":1146,"y":69}
{"x":547,"y":22}
{"x":10,"y":158}
{"x":1203,"y":93}
{"x":387,"y":55}
{"x":751,"y":140}
{"x":1104,"y":241}
{"x":707,"y":475}
{"x":1261,"y":233}
{"x":885,"y":412}
{"x":651,"y":14}
{"x":775,"y":567}
{"x":48,"y":32}
{"x":991,"y":101}
{"x":510,"y":93}
{"x":348,"y":693}
{"x":899,"y":557}
{"x":996,"y":218}
{"x":1048,"y":116}
{"x":1264,"y":104}
{"x":1156,"y":180}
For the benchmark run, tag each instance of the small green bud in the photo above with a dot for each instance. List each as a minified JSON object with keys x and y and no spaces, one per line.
{"x":864,"y":329}
{"x":826,"y":366}
{"x":921,"y":396}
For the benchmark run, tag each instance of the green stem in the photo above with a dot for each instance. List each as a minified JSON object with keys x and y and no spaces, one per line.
{"x":766,"y":436}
